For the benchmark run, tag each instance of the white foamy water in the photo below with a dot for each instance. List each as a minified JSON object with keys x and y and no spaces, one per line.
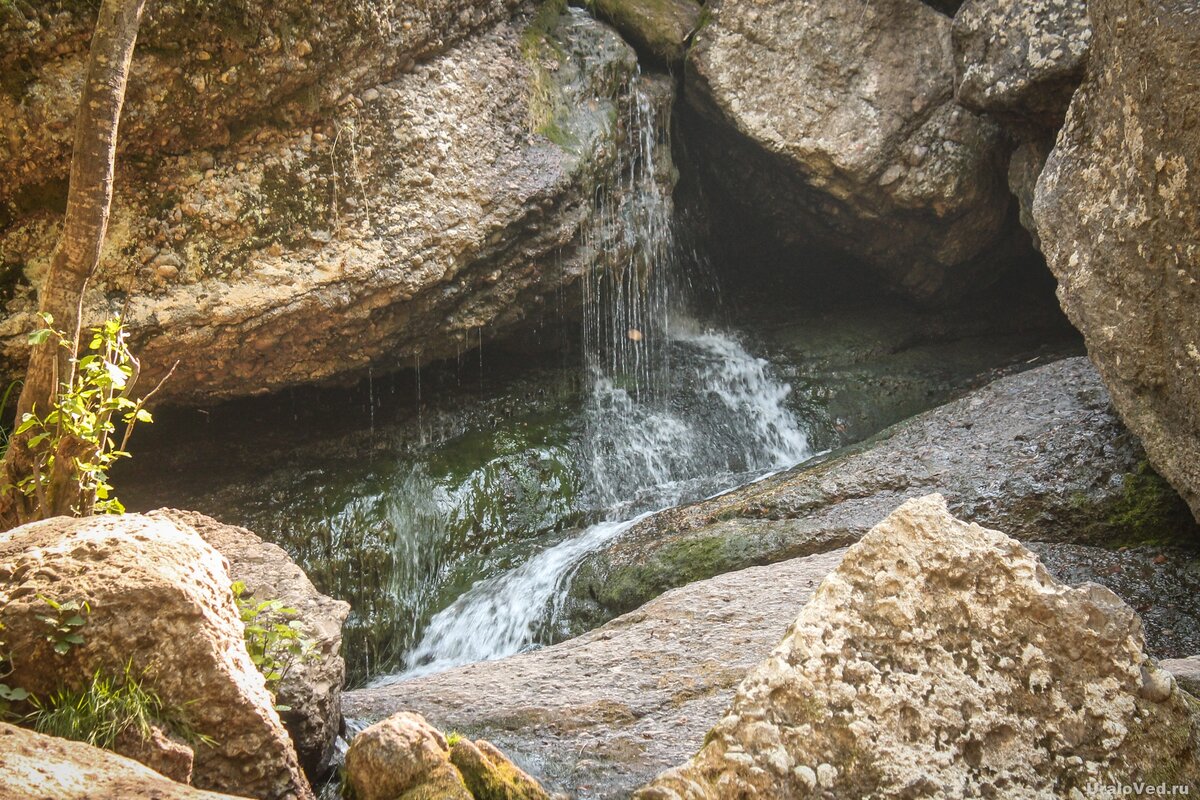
{"x":649,"y":455}
{"x":675,"y":412}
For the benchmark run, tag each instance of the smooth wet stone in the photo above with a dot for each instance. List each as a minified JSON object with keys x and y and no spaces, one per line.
{"x":1041,"y":454}
{"x":601,"y":714}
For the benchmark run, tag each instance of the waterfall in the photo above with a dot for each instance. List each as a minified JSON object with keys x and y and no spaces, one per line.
{"x":675,"y":412}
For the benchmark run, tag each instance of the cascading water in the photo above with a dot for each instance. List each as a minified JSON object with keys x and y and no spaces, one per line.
{"x":675,"y":412}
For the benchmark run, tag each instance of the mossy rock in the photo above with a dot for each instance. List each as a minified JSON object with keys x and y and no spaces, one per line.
{"x":1150,"y":511}
{"x":490,"y":775}
{"x":659,"y":29}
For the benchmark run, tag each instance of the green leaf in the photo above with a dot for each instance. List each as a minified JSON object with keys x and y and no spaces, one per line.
{"x":143,"y":415}
{"x":14,"y":694}
{"x":39,"y":336}
{"x":61,"y":648}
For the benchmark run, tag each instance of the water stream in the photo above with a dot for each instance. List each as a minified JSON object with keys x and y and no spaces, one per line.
{"x":640,"y":455}
{"x":673,"y":411}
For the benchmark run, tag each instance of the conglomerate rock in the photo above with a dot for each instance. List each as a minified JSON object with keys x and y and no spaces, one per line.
{"x":158,"y":602}
{"x":834,"y":123}
{"x":311,"y":689}
{"x":48,"y":768}
{"x":1019,"y":60}
{"x":394,"y":232}
{"x":941,"y":658}
{"x":202,"y":71}
{"x":1118,"y":212}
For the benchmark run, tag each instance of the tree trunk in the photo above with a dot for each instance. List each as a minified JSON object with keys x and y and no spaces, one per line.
{"x":84,"y":228}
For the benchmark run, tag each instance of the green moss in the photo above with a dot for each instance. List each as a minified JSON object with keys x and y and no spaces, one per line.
{"x":1161,"y":747}
{"x":489,"y":775}
{"x":1149,"y":511}
{"x":677,"y":563}
{"x":539,"y":48}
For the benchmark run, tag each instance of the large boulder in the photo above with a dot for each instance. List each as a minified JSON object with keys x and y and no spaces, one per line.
{"x":600,"y":715}
{"x":406,"y":757}
{"x":1020,"y":60}
{"x":202,"y":70}
{"x":1118,"y":211}
{"x":311,"y":691}
{"x":1041,"y":454}
{"x":160,"y":602}
{"x":942,"y":654}
{"x":834,"y":123}
{"x":451,"y":200}
{"x":48,"y":768}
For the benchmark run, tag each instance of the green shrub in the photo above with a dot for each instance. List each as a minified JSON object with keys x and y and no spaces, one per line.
{"x":78,"y":436}
{"x":274,"y":638}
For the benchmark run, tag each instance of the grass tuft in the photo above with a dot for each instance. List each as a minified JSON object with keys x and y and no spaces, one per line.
{"x":105,"y":709}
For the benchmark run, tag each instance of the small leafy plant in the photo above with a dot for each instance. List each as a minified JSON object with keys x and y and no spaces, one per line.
{"x":274,"y":638}
{"x":106,"y":708}
{"x":64,"y":623}
{"x":74,"y":444}
{"x":8,"y":694}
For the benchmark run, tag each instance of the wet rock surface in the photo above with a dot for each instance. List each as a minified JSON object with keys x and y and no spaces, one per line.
{"x":48,"y":768}
{"x":1020,"y":61}
{"x":939,"y":654}
{"x":1041,"y":453}
{"x":835,"y":123}
{"x":599,"y":715}
{"x":1118,"y":209}
{"x":659,"y":28}
{"x":312,"y":688}
{"x":452,"y":199}
{"x":160,"y":603}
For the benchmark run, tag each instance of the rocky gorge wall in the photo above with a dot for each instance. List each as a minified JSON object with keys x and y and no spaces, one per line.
{"x":444,"y":191}
{"x":305,"y":195}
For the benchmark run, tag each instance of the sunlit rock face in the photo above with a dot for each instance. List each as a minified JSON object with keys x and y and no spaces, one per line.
{"x":395,"y":229}
{"x":159,"y":602}
{"x":942,"y":654}
{"x":205,"y":71}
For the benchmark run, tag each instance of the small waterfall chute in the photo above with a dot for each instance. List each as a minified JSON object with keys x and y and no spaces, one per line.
{"x":675,"y":411}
